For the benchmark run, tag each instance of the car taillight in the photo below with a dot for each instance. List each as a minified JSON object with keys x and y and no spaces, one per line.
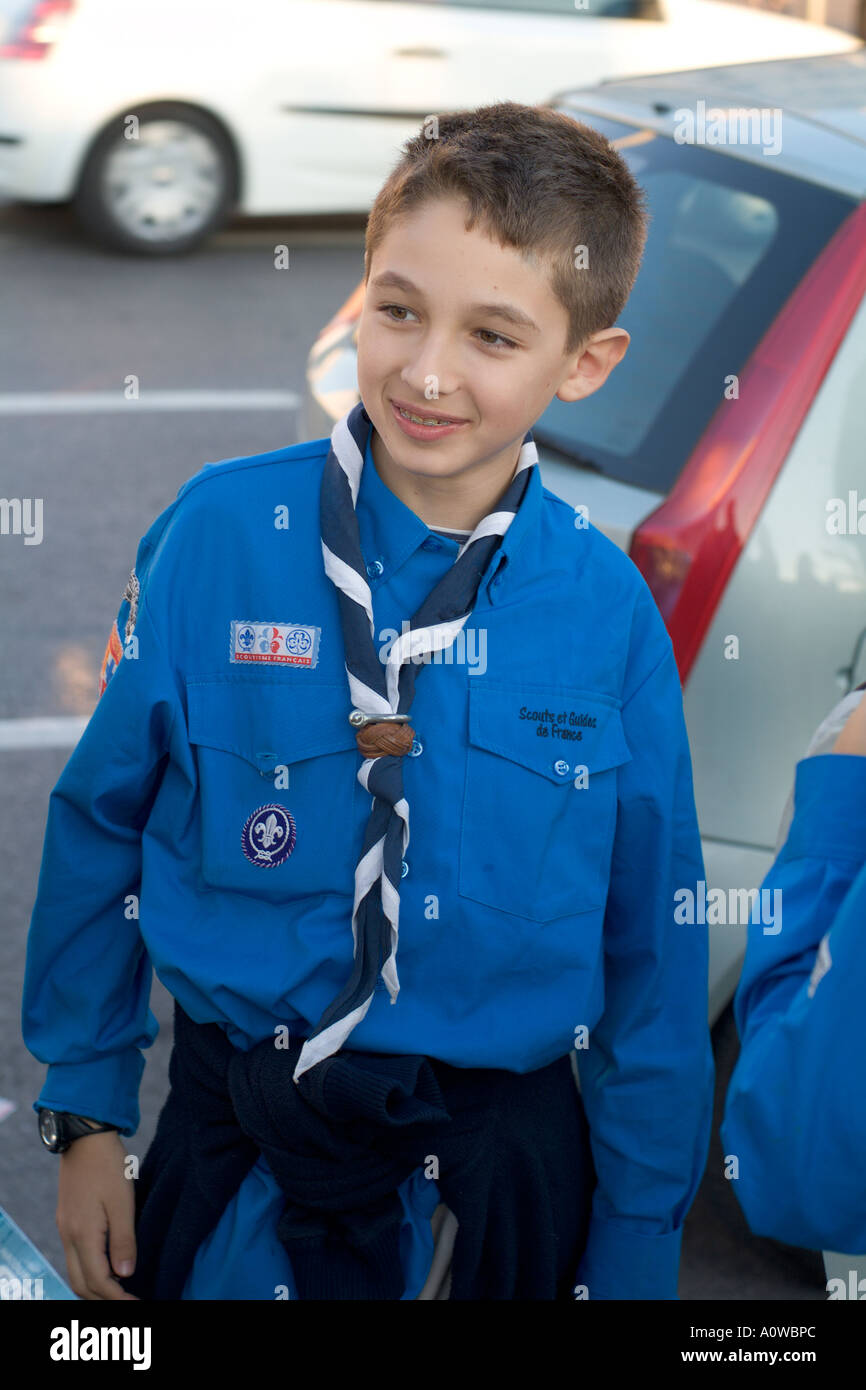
{"x":39,"y":30}
{"x":687,"y":548}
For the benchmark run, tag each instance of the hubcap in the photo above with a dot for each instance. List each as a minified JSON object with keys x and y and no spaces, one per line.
{"x":164,"y":184}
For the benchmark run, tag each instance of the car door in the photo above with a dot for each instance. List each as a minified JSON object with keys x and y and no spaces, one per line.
{"x":340,"y":85}
{"x":343,"y":83}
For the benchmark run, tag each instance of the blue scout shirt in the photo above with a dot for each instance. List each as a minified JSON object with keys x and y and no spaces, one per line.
{"x":537,"y":903}
{"x":795,"y":1113}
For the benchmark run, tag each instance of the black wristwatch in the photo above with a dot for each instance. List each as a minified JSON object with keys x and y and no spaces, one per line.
{"x":58,"y":1129}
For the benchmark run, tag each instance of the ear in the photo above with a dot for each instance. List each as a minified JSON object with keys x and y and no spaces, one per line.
{"x":592,"y":364}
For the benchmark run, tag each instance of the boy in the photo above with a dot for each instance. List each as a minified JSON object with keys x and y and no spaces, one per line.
{"x":338,"y":1096}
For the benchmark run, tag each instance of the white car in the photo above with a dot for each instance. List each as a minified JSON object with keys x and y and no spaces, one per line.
{"x":160,"y":118}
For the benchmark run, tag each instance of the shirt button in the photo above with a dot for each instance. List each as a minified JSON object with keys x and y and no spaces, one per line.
{"x":433,"y":543}
{"x":405,"y":868}
{"x":375,"y":568}
{"x":417,"y":747}
{"x":560,"y":767}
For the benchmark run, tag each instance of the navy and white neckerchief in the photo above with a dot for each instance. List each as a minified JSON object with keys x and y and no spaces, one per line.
{"x":387,"y":688}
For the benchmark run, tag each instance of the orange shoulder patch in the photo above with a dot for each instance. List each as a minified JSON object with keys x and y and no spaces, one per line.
{"x":112,"y":658}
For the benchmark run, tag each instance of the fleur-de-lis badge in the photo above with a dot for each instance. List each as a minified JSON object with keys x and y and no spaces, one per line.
{"x":269,"y":835}
{"x":268,"y":832}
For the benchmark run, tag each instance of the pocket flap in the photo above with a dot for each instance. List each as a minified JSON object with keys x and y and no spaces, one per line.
{"x":540,"y":728}
{"x":269,"y":723}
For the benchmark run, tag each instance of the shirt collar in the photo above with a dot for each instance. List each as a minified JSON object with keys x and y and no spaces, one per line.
{"x":391,"y":531}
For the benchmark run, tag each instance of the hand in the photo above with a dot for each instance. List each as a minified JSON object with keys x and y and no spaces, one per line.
{"x":96,"y":1200}
{"x":852,"y":736}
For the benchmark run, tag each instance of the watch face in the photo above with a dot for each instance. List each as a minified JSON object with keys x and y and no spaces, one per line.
{"x":48,"y":1127}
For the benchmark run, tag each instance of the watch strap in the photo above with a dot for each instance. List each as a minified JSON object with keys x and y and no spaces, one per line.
{"x":71,"y":1127}
{"x":85,"y":1125}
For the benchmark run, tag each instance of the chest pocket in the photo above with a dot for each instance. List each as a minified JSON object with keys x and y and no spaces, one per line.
{"x":533,"y":842}
{"x":277,"y":777}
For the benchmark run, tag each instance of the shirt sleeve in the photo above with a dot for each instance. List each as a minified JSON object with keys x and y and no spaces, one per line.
{"x":647,"y":1075}
{"x":821,"y":742}
{"x":795,"y":1112}
{"x":85,"y":1005}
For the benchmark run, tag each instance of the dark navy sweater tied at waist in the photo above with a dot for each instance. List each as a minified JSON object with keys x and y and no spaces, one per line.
{"x":511,"y":1151}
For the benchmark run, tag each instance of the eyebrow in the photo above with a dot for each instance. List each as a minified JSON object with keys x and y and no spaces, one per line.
{"x":509,"y":312}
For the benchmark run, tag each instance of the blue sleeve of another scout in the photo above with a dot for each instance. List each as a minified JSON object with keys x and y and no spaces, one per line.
{"x":647,"y":1075}
{"x":85,"y":1008}
{"x":795,"y":1112}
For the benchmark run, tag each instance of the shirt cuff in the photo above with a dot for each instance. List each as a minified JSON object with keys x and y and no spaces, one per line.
{"x":619,"y":1263}
{"x":829,"y":808}
{"x":104,"y":1089}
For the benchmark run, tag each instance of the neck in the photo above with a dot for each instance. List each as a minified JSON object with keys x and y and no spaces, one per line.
{"x":448,"y":502}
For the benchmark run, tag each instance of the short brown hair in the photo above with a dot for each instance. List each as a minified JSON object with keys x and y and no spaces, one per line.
{"x":540,"y":182}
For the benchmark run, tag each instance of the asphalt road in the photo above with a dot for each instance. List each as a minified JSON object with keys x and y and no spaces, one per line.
{"x":78,"y":320}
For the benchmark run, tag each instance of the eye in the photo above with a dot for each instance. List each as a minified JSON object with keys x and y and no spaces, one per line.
{"x":506,"y":342}
{"x":502,"y":345}
{"x":386,"y":309}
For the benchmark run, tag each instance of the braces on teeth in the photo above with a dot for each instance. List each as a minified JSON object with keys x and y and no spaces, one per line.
{"x":427,"y":420}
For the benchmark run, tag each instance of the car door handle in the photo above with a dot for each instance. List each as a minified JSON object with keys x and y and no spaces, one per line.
{"x":419,"y":53}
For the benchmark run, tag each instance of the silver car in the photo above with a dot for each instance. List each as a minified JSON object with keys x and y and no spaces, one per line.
{"x":725,"y":452}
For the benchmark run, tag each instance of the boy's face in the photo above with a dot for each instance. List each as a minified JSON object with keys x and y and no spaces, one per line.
{"x":431,"y":349}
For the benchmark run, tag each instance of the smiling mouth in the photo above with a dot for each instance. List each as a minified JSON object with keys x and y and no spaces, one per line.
{"x":426,"y":419}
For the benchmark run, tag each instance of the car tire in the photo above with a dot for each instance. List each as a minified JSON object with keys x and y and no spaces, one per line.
{"x":122,"y":205}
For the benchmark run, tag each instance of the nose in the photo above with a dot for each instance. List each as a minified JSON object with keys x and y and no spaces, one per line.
{"x":429,"y":374}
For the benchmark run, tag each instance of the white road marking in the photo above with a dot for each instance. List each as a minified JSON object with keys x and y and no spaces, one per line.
{"x":61,"y":731}
{"x":99,"y":402}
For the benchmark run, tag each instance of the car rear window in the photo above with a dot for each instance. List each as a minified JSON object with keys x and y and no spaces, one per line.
{"x":728,"y":242}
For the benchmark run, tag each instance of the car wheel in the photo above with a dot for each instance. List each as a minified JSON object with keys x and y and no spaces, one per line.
{"x":161,"y":189}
